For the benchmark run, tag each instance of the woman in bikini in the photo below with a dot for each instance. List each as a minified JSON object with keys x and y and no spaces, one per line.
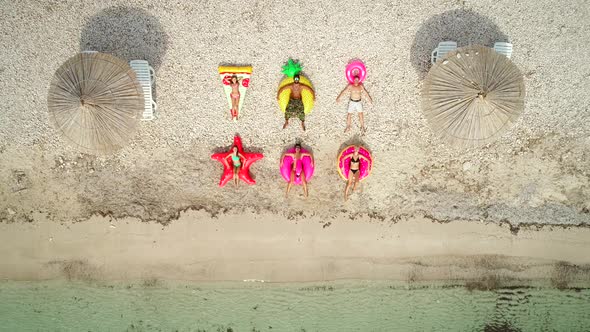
{"x":297,"y":169}
{"x":353,"y":172}
{"x":236,"y":160}
{"x":235,"y":96}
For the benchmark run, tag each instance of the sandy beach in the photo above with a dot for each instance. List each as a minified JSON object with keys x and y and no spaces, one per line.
{"x":519,"y":206}
{"x":265,"y":248}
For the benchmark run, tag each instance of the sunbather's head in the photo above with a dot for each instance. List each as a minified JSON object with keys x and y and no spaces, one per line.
{"x":356,"y":80}
{"x":234,"y":149}
{"x":296,"y":79}
{"x":234,"y":79}
{"x":297,"y":147}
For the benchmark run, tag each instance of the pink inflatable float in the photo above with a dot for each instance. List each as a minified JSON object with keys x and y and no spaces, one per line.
{"x":356,"y":68}
{"x":365,"y":165}
{"x":304,"y":165}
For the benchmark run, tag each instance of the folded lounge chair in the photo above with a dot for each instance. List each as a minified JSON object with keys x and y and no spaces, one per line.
{"x":503,"y":48}
{"x":146,"y":77}
{"x":442,"y":50}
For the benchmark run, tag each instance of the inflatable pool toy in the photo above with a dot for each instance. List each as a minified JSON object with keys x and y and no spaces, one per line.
{"x":356,"y":68}
{"x":290,"y":70}
{"x":228,"y":168}
{"x":243,"y":74}
{"x":305,"y":165}
{"x":343,"y":162}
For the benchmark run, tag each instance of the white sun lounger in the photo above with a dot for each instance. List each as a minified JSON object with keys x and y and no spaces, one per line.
{"x":146,"y":77}
{"x":503,"y":48}
{"x":442,"y":50}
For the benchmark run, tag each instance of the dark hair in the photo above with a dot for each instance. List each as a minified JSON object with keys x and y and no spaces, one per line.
{"x":232,"y":78}
{"x":298,"y":145}
{"x":296,"y":77}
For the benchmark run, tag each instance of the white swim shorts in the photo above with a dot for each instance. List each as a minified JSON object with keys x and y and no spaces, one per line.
{"x":355,"y":106}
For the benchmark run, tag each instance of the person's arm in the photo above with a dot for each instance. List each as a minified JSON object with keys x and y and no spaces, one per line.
{"x":363,"y":157}
{"x":288,"y":86}
{"x":368,"y":95}
{"x":303,"y":155}
{"x":305,"y":87}
{"x":346,"y":156}
{"x":342,"y":93}
{"x":283,"y":158}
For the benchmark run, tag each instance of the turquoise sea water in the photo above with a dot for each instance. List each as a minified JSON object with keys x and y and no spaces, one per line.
{"x":334,"y":306}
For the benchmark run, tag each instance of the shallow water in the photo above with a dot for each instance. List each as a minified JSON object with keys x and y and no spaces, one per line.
{"x":334,"y":306}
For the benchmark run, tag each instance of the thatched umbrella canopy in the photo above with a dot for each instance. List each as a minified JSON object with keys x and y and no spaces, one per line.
{"x":95,"y":102}
{"x":472,"y":96}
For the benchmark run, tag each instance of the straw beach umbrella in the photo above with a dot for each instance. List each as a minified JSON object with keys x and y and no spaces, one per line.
{"x":472,"y":96}
{"x":95,"y":102}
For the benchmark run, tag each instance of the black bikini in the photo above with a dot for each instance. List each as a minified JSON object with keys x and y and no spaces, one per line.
{"x":356,"y":101}
{"x":352,"y":160}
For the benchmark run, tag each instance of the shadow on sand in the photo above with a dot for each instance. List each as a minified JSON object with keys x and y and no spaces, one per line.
{"x":126,"y":32}
{"x":466,"y":27}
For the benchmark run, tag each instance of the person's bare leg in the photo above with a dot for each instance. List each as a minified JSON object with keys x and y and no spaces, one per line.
{"x":348,"y":184}
{"x":235,"y":177}
{"x":356,"y":181}
{"x":304,"y":184}
{"x":362,"y":121}
{"x":234,"y":107}
{"x":303,"y":124}
{"x":348,"y":122}
{"x":291,"y":179}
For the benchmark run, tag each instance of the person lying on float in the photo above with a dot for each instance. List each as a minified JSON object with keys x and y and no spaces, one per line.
{"x":236,"y":161}
{"x":354,"y":164}
{"x":297,"y":167}
{"x":299,"y":95}
{"x":355,"y":74}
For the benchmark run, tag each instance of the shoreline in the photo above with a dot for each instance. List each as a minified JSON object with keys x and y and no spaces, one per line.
{"x":273,"y":248}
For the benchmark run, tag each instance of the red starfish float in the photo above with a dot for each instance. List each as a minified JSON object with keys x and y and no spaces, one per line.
{"x":228,"y":168}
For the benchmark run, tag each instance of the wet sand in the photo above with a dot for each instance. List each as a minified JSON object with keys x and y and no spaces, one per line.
{"x":267,"y":248}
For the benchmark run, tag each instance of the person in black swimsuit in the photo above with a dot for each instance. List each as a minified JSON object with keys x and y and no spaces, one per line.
{"x":353,"y":173}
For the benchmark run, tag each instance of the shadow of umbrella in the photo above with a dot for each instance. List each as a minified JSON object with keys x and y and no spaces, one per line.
{"x":126,"y":32}
{"x":466,"y":27}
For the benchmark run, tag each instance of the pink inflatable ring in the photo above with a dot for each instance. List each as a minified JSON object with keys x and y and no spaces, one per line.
{"x":356,"y":68}
{"x":344,"y":162}
{"x":304,"y":165}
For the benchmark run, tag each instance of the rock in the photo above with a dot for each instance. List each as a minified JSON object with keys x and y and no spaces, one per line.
{"x":467,"y":166}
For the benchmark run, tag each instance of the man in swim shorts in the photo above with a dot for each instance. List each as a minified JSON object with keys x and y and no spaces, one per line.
{"x":295,"y":107}
{"x":355,"y":105}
